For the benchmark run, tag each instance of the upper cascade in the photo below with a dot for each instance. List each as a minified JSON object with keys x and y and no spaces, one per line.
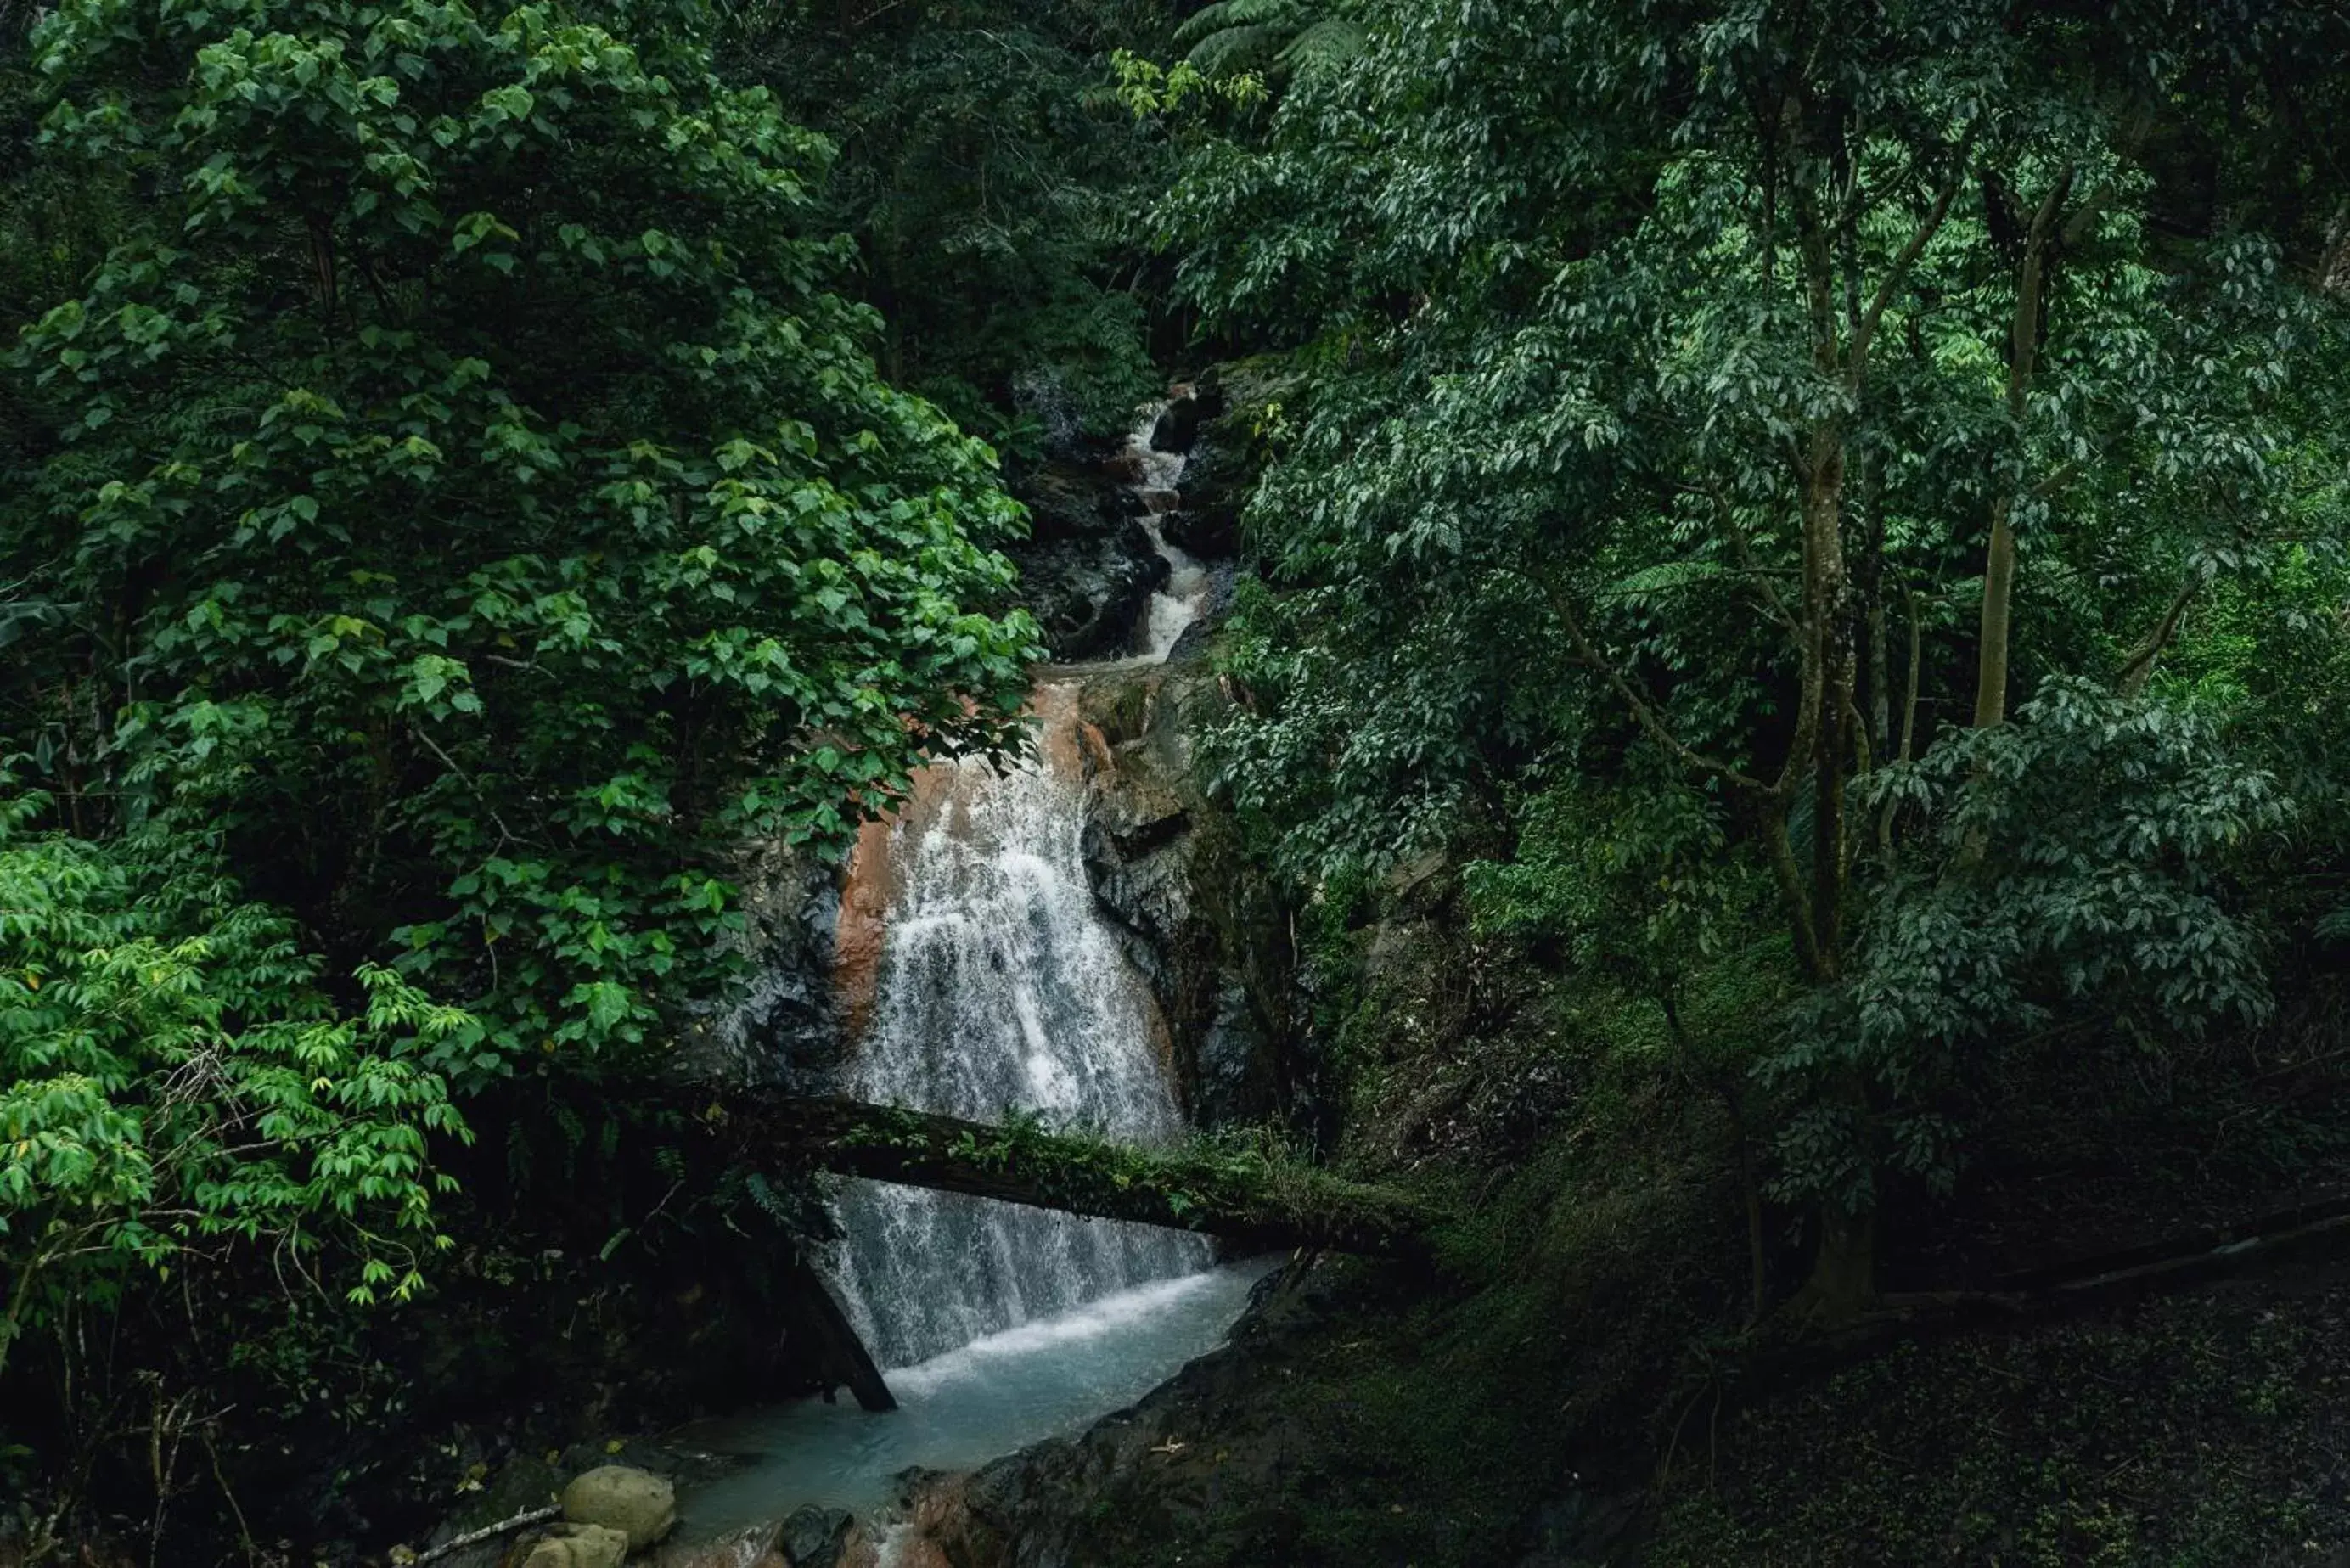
{"x":1157,"y":475}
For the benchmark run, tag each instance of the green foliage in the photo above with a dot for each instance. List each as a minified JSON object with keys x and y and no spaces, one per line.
{"x":1277,"y":38}
{"x":463,"y":461}
{"x":176,"y":1084}
{"x":1630,"y":879}
{"x":2074,"y":863}
{"x":994,"y":187}
{"x":1668,"y":371}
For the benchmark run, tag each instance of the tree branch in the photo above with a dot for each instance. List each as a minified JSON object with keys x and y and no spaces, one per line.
{"x":2131,"y":679}
{"x":1917,"y":241}
{"x":1645,"y":715}
{"x":527,"y":1517}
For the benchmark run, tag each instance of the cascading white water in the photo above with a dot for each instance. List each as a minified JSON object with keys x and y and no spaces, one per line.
{"x":999,"y":988}
{"x":1176,"y":605}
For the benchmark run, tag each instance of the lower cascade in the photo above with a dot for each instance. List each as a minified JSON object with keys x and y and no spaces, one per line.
{"x":999,"y":989}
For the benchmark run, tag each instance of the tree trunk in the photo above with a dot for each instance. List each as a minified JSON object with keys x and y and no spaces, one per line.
{"x":1999,"y":594}
{"x":1827,"y":607}
{"x":1259,"y":1204}
{"x":1872,"y":600}
{"x":840,"y":1352}
{"x":1999,"y":561}
{"x":1843,"y":1283}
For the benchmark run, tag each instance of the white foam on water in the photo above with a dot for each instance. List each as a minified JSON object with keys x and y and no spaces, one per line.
{"x":1003,"y":988}
{"x":1175,"y":605}
{"x":1049,"y":1377}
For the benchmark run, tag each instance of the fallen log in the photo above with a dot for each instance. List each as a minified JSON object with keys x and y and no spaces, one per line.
{"x":839,"y":1352}
{"x":1244,"y":1197}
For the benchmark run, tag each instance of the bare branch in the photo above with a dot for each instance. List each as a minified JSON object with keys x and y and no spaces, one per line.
{"x":1642,"y":711}
{"x":2131,"y":679}
{"x":1918,"y":240}
{"x":526,"y":1518}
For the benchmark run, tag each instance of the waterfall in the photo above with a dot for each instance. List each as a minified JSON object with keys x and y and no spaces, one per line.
{"x":1174,"y":607}
{"x":996,"y":986}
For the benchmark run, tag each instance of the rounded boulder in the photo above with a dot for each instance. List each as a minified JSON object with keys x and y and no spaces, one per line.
{"x":579,"y":1547}
{"x":638,"y":1503}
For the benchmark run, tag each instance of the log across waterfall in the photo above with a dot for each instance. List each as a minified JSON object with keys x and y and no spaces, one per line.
{"x":1253,"y":1203}
{"x":995,"y":986}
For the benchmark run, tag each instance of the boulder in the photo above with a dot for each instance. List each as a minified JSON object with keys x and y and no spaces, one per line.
{"x":1064,"y":504}
{"x":1177,"y":425}
{"x":1210,"y":532}
{"x":815,"y":1537}
{"x":751,"y":1547}
{"x":639,"y":1504}
{"x":579,"y":1547}
{"x":1087,"y":595}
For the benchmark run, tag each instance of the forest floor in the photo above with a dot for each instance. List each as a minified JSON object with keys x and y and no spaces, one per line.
{"x":2205,"y":1430}
{"x":1358,"y":1419}
{"x":1569,"y":1385}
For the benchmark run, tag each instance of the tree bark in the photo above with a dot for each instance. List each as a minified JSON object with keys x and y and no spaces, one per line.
{"x":1260,"y":1206}
{"x":1999,"y":561}
{"x":842,"y":1352}
{"x":1843,"y":1283}
{"x":1872,"y":599}
{"x":2130,"y":680}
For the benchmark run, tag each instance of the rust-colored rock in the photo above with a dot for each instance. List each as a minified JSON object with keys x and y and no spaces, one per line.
{"x":863,"y":925}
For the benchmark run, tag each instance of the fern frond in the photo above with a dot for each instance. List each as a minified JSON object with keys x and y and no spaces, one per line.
{"x":1225,"y":14}
{"x":1323,"y":46}
{"x":1237,"y":49}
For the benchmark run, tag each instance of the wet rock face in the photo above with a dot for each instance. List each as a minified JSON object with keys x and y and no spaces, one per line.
{"x":815,"y":1537}
{"x":1204,"y":926}
{"x":789,"y":1030}
{"x":1199,"y":638}
{"x":1177,"y":425}
{"x":1211,"y":532}
{"x":811,"y":1538}
{"x":1226,"y":414}
{"x":1087,"y":568}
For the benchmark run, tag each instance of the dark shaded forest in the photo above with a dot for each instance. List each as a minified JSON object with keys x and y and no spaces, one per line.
{"x":1777,"y":691}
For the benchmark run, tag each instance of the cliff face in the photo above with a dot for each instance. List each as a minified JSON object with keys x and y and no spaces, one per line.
{"x":1206,"y":929}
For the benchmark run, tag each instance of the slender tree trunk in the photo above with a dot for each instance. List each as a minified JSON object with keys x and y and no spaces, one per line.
{"x":1998,"y":599}
{"x":1872,"y":601}
{"x":1907,"y":746}
{"x":1844,"y":1271}
{"x":1842,"y":1275}
{"x":1998,"y":562}
{"x":1827,"y":610}
{"x":1790,"y":877}
{"x":2139,"y":665}
{"x":1750,"y":1185}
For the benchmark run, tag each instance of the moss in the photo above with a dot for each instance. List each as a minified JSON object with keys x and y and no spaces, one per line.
{"x":2204,"y":1432}
{"x":1426,"y":1421}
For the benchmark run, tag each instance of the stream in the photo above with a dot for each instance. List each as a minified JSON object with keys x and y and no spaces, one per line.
{"x":1049,"y":1378}
{"x":987,"y":981}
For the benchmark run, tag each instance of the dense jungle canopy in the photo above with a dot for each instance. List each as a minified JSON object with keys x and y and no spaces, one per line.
{"x":1783,"y":658}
